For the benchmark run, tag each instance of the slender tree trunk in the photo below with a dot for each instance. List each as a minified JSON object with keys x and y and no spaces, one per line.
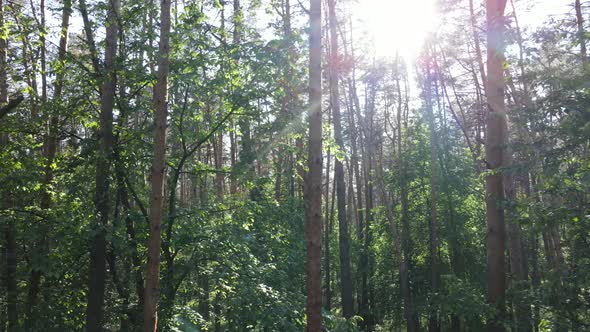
{"x":313,"y":179}
{"x":89,"y":37}
{"x":97,"y":280}
{"x":152,"y":289}
{"x":581,"y":33}
{"x":496,"y":140}
{"x":49,"y":151}
{"x":11,"y":261}
{"x":517,"y":257}
{"x":345,"y":274}
{"x":289,"y":94}
{"x":130,"y":229}
{"x":327,"y":261}
{"x":329,"y":222}
{"x":433,"y":322}
{"x":366,"y":259}
{"x":412,"y":323}
{"x":202,"y":276}
{"x":476,"y":41}
{"x":9,"y":227}
{"x":43,"y":51}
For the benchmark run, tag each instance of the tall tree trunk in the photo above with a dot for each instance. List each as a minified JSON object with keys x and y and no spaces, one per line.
{"x":433,"y":322}
{"x":287,"y":112}
{"x":517,"y":257}
{"x":9,"y":227}
{"x":49,"y":151}
{"x":405,"y":264}
{"x":329,"y":225}
{"x":366,"y":263}
{"x":160,"y":100}
{"x":97,"y":280}
{"x":130,"y":229}
{"x":313,"y":179}
{"x":496,"y":140}
{"x":327,"y":261}
{"x":247,"y":152}
{"x":345,"y":274}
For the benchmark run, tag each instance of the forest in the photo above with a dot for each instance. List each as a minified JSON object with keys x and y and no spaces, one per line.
{"x":295,"y":165}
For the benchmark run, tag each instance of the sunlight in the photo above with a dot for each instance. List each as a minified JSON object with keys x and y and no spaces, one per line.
{"x":397,"y":26}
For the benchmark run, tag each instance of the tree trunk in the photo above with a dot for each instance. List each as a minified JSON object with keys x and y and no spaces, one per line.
{"x":152,"y":289}
{"x":345,"y":274}
{"x":476,"y":41}
{"x":433,"y":322}
{"x":11,"y":261}
{"x":516,"y":248}
{"x":496,"y":139}
{"x":97,"y":278}
{"x":329,"y":227}
{"x":581,"y":33}
{"x":9,"y":226}
{"x":313,"y":179}
{"x":43,"y":51}
{"x":327,"y":261}
{"x":405,"y":265}
{"x":89,"y":37}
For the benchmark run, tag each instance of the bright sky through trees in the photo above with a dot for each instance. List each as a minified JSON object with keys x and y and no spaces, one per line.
{"x":401,"y":26}
{"x":397,"y":26}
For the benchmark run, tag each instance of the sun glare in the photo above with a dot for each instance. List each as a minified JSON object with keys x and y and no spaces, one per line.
{"x":397,"y":26}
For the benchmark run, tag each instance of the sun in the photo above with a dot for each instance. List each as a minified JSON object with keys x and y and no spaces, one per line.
{"x":397,"y":26}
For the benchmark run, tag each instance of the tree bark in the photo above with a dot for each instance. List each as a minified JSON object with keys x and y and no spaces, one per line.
{"x":496,"y":141}
{"x":160,"y":100}
{"x":344,"y":246}
{"x":433,"y":322}
{"x":97,"y":280}
{"x":10,"y":248}
{"x":313,"y":179}
{"x":327,"y":262}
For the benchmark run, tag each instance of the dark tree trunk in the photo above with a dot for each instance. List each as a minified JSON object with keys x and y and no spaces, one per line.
{"x":94,"y":312}
{"x":152,"y":289}
{"x":327,"y":260}
{"x":9,"y":227}
{"x":313,"y":179}
{"x":345,"y":274}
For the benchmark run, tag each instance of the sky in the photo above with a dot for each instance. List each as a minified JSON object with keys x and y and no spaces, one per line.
{"x":402,"y":25}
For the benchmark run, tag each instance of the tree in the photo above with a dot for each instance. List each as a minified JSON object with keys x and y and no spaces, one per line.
{"x":10,"y":247}
{"x":313,"y":178}
{"x":412,"y":322}
{"x":97,"y":278}
{"x":345,"y":272}
{"x":433,"y":324}
{"x":158,"y":173}
{"x":496,"y":140}
{"x":49,"y":152}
